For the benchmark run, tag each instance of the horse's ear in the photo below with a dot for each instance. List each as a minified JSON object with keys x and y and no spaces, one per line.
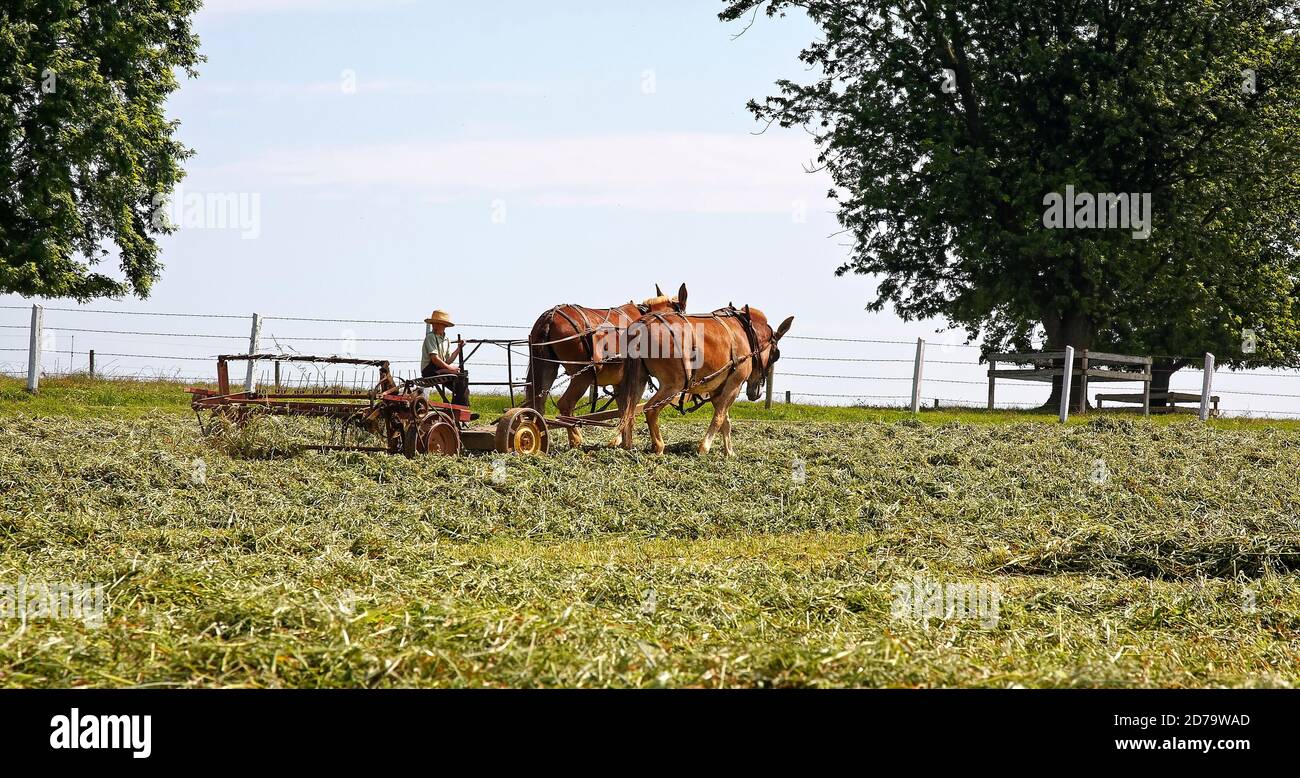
{"x":746,"y":309}
{"x":784,"y":328}
{"x":681,"y":297}
{"x":658,"y":292}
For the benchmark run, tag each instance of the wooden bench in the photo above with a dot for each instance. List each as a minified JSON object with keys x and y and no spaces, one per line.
{"x":1171,"y":401}
{"x":1089,"y":366}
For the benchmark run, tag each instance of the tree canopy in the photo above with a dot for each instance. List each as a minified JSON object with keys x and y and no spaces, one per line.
{"x":945,"y":126}
{"x":87,"y":146}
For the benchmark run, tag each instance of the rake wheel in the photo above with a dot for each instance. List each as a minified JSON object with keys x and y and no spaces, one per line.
{"x":522,"y":431}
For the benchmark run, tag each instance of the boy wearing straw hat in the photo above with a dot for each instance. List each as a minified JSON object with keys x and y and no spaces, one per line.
{"x":436,"y":356}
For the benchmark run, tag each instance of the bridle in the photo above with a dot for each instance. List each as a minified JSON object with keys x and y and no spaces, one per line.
{"x":746,"y":320}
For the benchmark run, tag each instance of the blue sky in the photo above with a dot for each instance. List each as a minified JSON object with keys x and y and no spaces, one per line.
{"x":494,"y":159}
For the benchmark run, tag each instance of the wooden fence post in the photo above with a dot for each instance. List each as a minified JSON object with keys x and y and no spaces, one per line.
{"x":34,"y":349}
{"x":993,"y":365}
{"x":253,"y":338}
{"x":1067,"y":378}
{"x":787,"y":396}
{"x":1207,"y":385}
{"x":92,"y":363}
{"x":916,"y":375}
{"x":1083,"y":382}
{"x":767,"y":401}
{"x":277,"y":375}
{"x":1146,"y":391}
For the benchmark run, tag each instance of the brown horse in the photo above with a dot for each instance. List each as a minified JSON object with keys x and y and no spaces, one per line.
{"x":586,"y":343}
{"x":707,"y":356}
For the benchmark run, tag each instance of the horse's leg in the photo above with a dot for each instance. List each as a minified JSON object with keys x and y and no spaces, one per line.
{"x":568,"y":402}
{"x":614,"y":377}
{"x":722,"y":400}
{"x":719,"y":415}
{"x":617,"y":440}
{"x":653,"y":406}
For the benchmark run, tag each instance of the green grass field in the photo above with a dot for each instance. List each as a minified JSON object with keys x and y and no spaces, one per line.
{"x":250,"y":562}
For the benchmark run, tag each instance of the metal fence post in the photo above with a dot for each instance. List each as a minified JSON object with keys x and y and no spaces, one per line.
{"x":34,"y":349}
{"x":253,"y":339}
{"x":1207,"y":384}
{"x":92,"y":363}
{"x":916,"y":375}
{"x":1067,"y":378}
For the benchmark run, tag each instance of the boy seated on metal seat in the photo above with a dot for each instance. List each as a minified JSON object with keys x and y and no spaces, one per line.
{"x":436,"y":357}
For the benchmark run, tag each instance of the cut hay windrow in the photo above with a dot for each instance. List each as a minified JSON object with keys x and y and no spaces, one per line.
{"x":250,"y":561}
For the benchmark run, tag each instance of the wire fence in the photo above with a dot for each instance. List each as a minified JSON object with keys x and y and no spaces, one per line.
{"x":813,"y":368}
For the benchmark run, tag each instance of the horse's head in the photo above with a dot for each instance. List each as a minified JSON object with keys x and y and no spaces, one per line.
{"x":769,"y":350}
{"x":662,"y":302}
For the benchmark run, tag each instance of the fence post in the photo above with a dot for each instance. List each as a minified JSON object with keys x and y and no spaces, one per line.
{"x":1067,"y":378}
{"x":993,"y":366}
{"x":253,"y":339}
{"x":767,"y":401}
{"x":277,"y":375}
{"x":92,"y":363}
{"x":787,"y":396}
{"x":916,"y":375}
{"x":1083,"y":382}
{"x":34,"y":349}
{"x":1207,"y":384}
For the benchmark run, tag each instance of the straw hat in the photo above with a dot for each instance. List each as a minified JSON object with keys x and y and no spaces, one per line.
{"x":440,"y":317}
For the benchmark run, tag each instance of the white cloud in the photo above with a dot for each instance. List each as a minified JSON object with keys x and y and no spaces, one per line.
{"x":295,"y":6}
{"x":702,"y":172}
{"x":398,"y":87}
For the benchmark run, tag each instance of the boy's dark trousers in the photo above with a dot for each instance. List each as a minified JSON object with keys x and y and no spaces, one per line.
{"x":459,"y":384}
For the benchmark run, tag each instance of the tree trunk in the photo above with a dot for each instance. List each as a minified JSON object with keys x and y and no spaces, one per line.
{"x":1070,"y":329}
{"x":1161,"y":371}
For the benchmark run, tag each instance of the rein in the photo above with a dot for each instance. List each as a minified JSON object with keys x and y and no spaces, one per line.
{"x":585,"y":331}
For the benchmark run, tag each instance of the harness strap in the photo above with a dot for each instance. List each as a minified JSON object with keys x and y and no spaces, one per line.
{"x":755,"y":350}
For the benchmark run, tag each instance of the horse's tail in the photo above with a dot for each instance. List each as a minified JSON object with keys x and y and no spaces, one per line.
{"x":543,"y":364}
{"x":632,"y":386}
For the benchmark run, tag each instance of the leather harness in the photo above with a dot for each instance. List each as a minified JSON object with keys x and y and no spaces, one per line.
{"x":755,"y":351}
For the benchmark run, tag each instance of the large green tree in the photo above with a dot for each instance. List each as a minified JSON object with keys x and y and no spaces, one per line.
{"x":86,"y":151}
{"x":945,"y":124}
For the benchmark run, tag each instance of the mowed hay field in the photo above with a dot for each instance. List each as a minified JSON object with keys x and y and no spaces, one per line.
{"x":596,"y":567}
